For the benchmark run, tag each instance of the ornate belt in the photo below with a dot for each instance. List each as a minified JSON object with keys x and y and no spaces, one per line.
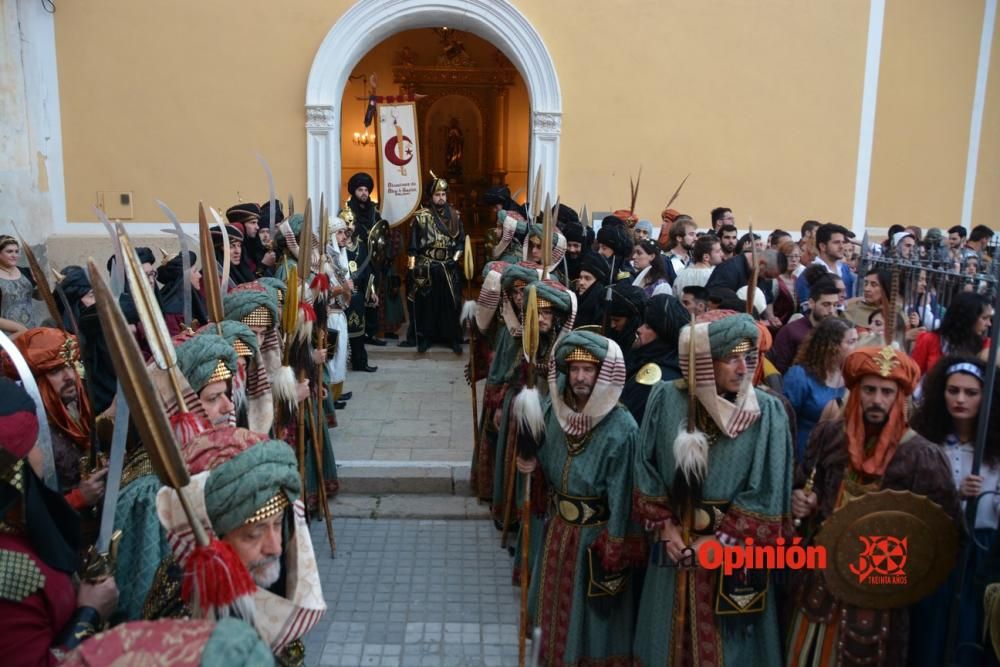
{"x":581,"y":511}
{"x":437,"y":254}
{"x":136,"y":467}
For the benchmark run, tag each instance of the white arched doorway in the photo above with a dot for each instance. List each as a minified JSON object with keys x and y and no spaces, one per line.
{"x":369,"y":22}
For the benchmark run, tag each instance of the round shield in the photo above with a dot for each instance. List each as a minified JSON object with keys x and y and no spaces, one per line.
{"x":887,"y":549}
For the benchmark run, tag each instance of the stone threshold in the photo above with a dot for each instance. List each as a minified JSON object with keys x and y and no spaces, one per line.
{"x":440,"y":478}
{"x":407,"y":506}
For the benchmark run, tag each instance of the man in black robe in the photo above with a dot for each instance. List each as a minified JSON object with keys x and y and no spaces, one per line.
{"x":437,"y":240}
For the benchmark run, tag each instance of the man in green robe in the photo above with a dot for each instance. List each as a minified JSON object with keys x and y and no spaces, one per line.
{"x":556,"y":310}
{"x":581,"y":593}
{"x":513,"y":230}
{"x":506,"y":341}
{"x":246,"y":492}
{"x":502,"y":380}
{"x":725,"y":477}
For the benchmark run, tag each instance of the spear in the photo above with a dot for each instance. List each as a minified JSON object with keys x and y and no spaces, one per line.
{"x":210,"y":284}
{"x":536,"y":194}
{"x":320,"y":286}
{"x":971,"y":507}
{"x":527,"y":445}
{"x":211,"y":560}
{"x":271,"y":198}
{"x":185,"y":258}
{"x":690,"y":434}
{"x":470,"y":273}
{"x":185,"y":424}
{"x":755,"y":271}
{"x":302,"y":262}
{"x":41,"y":282}
{"x":227,"y":259}
{"x":546,"y":239}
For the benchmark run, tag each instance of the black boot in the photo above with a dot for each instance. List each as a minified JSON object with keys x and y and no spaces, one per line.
{"x":359,"y":355}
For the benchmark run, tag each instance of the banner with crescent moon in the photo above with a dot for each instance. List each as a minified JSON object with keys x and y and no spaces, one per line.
{"x":400,"y":161}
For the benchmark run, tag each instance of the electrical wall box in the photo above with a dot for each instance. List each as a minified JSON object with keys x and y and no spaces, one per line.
{"x":116,"y":204}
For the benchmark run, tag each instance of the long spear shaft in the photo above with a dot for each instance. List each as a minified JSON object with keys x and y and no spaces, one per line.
{"x":971,"y":506}
{"x":317,"y":442}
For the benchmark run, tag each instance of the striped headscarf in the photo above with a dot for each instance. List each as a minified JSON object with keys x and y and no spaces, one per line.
{"x":717,"y":332}
{"x":607,"y":390}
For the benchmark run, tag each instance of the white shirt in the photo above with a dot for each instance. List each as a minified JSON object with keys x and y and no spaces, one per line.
{"x":959,"y":456}
{"x":692,"y":275}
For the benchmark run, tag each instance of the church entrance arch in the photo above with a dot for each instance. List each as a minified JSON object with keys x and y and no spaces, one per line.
{"x":369,"y":22}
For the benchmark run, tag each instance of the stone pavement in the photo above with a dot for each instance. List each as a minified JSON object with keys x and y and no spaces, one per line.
{"x":415,"y":593}
{"x":416,"y":407}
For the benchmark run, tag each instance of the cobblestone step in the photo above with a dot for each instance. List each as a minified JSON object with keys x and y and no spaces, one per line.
{"x":443,"y":478}
{"x":407,"y":506}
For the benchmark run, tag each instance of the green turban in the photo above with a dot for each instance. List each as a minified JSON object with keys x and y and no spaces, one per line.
{"x":555,"y":294}
{"x":234,"y":643}
{"x":239,"y":487}
{"x":517,"y":272}
{"x":236,"y":332}
{"x":295,"y":222}
{"x":595,"y":344}
{"x":199,"y":357}
{"x":241,"y":302}
{"x":728,"y":332}
{"x":276,"y":286}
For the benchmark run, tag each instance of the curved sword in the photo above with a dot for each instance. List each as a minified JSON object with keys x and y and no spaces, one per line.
{"x":118,"y":270}
{"x":116,"y":464}
{"x":227,"y":259}
{"x":270,"y":189}
{"x":44,"y":433}
{"x":185,"y":260}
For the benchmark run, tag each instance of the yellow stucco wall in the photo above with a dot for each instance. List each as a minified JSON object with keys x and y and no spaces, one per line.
{"x":760,"y":101}
{"x":930,"y":49}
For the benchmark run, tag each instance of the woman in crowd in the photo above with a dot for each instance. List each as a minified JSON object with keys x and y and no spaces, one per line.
{"x":652,"y":268}
{"x":948,"y":416}
{"x":815,"y":379}
{"x":171,"y":276}
{"x":962,"y":331}
{"x":786,"y":281}
{"x":875,"y":286}
{"x":16,"y":288}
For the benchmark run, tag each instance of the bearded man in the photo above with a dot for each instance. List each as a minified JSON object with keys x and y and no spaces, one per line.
{"x":368,"y":243}
{"x":580,"y":592}
{"x":437,"y":240}
{"x":53,"y":355}
{"x":869,"y":449}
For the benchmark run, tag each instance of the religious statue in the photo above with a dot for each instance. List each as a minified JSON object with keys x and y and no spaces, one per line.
{"x":453,"y":149}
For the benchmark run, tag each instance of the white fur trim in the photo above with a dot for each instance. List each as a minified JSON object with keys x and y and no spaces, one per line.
{"x":691,"y":453}
{"x":284,"y":385}
{"x":468,"y":312}
{"x":527,"y":410}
